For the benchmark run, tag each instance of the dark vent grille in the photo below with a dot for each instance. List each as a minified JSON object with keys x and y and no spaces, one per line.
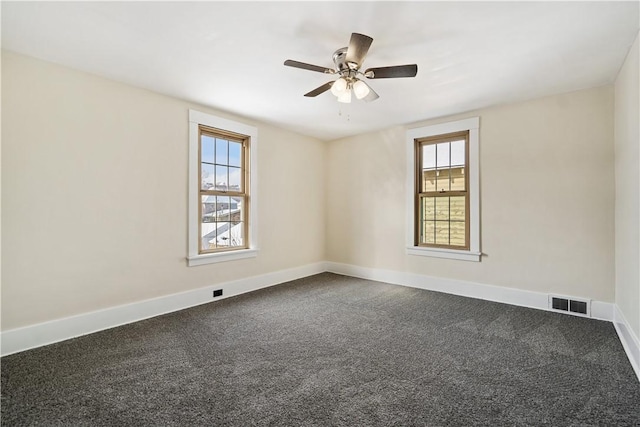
{"x":560,"y":304}
{"x":578,"y":307}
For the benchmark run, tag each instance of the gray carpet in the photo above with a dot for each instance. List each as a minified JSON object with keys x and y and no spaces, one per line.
{"x":330,"y":350}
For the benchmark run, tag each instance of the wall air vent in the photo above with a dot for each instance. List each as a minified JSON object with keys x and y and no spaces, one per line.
{"x":570,"y":305}
{"x":559,"y":303}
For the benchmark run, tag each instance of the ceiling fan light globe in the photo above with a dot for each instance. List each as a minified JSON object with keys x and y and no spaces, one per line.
{"x":361,"y":89}
{"x":345,"y":97}
{"x":339,"y":86}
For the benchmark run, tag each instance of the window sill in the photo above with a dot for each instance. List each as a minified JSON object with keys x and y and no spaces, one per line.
{"x":445,"y":253}
{"x":221,"y":257}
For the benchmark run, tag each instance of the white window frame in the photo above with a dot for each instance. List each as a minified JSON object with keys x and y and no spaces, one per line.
{"x":197,"y":118}
{"x":473,"y":126}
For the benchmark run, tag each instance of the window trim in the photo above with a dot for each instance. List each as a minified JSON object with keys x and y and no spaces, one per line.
{"x":472,"y":125}
{"x":196,"y":119}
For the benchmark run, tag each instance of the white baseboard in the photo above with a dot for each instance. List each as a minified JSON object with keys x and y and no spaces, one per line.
{"x":28,"y":337}
{"x":629,"y":340}
{"x":599,"y":310}
{"x":20,"y":339}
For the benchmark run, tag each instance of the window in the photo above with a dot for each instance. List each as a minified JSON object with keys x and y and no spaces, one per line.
{"x":441,"y":192}
{"x":223,"y":190}
{"x":443,"y":195}
{"x":222,"y":198}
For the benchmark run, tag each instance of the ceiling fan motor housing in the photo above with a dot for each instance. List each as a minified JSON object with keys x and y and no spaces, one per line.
{"x":340,"y":59}
{"x":348,"y":70}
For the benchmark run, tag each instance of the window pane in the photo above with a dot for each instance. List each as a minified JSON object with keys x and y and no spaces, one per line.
{"x":223,"y":204}
{"x":457,"y":153}
{"x":237,"y":234}
{"x":221,"y":152}
{"x":232,"y":235}
{"x":428,"y":232}
{"x":457,"y":179}
{"x":442,"y":208}
{"x":222,"y":234}
{"x":457,"y":233}
{"x":208,"y":223}
{"x":428,"y":180}
{"x":235,"y":154}
{"x":222,"y":177}
{"x":236,"y":217}
{"x":442,"y":232}
{"x":208,"y":236}
{"x":206,"y":148}
{"x":237,"y":208}
{"x":207,"y":177}
{"x":230,"y":226}
{"x":428,"y":211}
{"x":429,"y":156}
{"x":235,"y":179}
{"x":457,"y":208}
{"x":208,"y":209}
{"x":442,"y":180}
{"x":427,"y":216}
{"x":442,"y":154}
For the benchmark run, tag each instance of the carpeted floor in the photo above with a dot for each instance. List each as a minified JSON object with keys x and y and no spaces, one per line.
{"x":330,"y":350}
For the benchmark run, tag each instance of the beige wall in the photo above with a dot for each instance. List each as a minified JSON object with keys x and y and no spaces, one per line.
{"x":547,"y":198}
{"x":94,"y":190}
{"x":94,"y":195}
{"x":627,"y":159}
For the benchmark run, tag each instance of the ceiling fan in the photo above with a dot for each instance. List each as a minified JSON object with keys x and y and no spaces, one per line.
{"x":348,"y":61}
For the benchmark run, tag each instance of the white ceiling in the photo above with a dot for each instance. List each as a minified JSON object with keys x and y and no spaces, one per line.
{"x":229,"y":55}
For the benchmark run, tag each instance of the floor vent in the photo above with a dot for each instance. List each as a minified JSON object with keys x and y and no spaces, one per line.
{"x":570,"y":305}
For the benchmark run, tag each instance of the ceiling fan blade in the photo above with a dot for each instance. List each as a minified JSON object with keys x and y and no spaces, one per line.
{"x":392,"y":72}
{"x":317,"y":91}
{"x":358,"y":48}
{"x":310,"y":67}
